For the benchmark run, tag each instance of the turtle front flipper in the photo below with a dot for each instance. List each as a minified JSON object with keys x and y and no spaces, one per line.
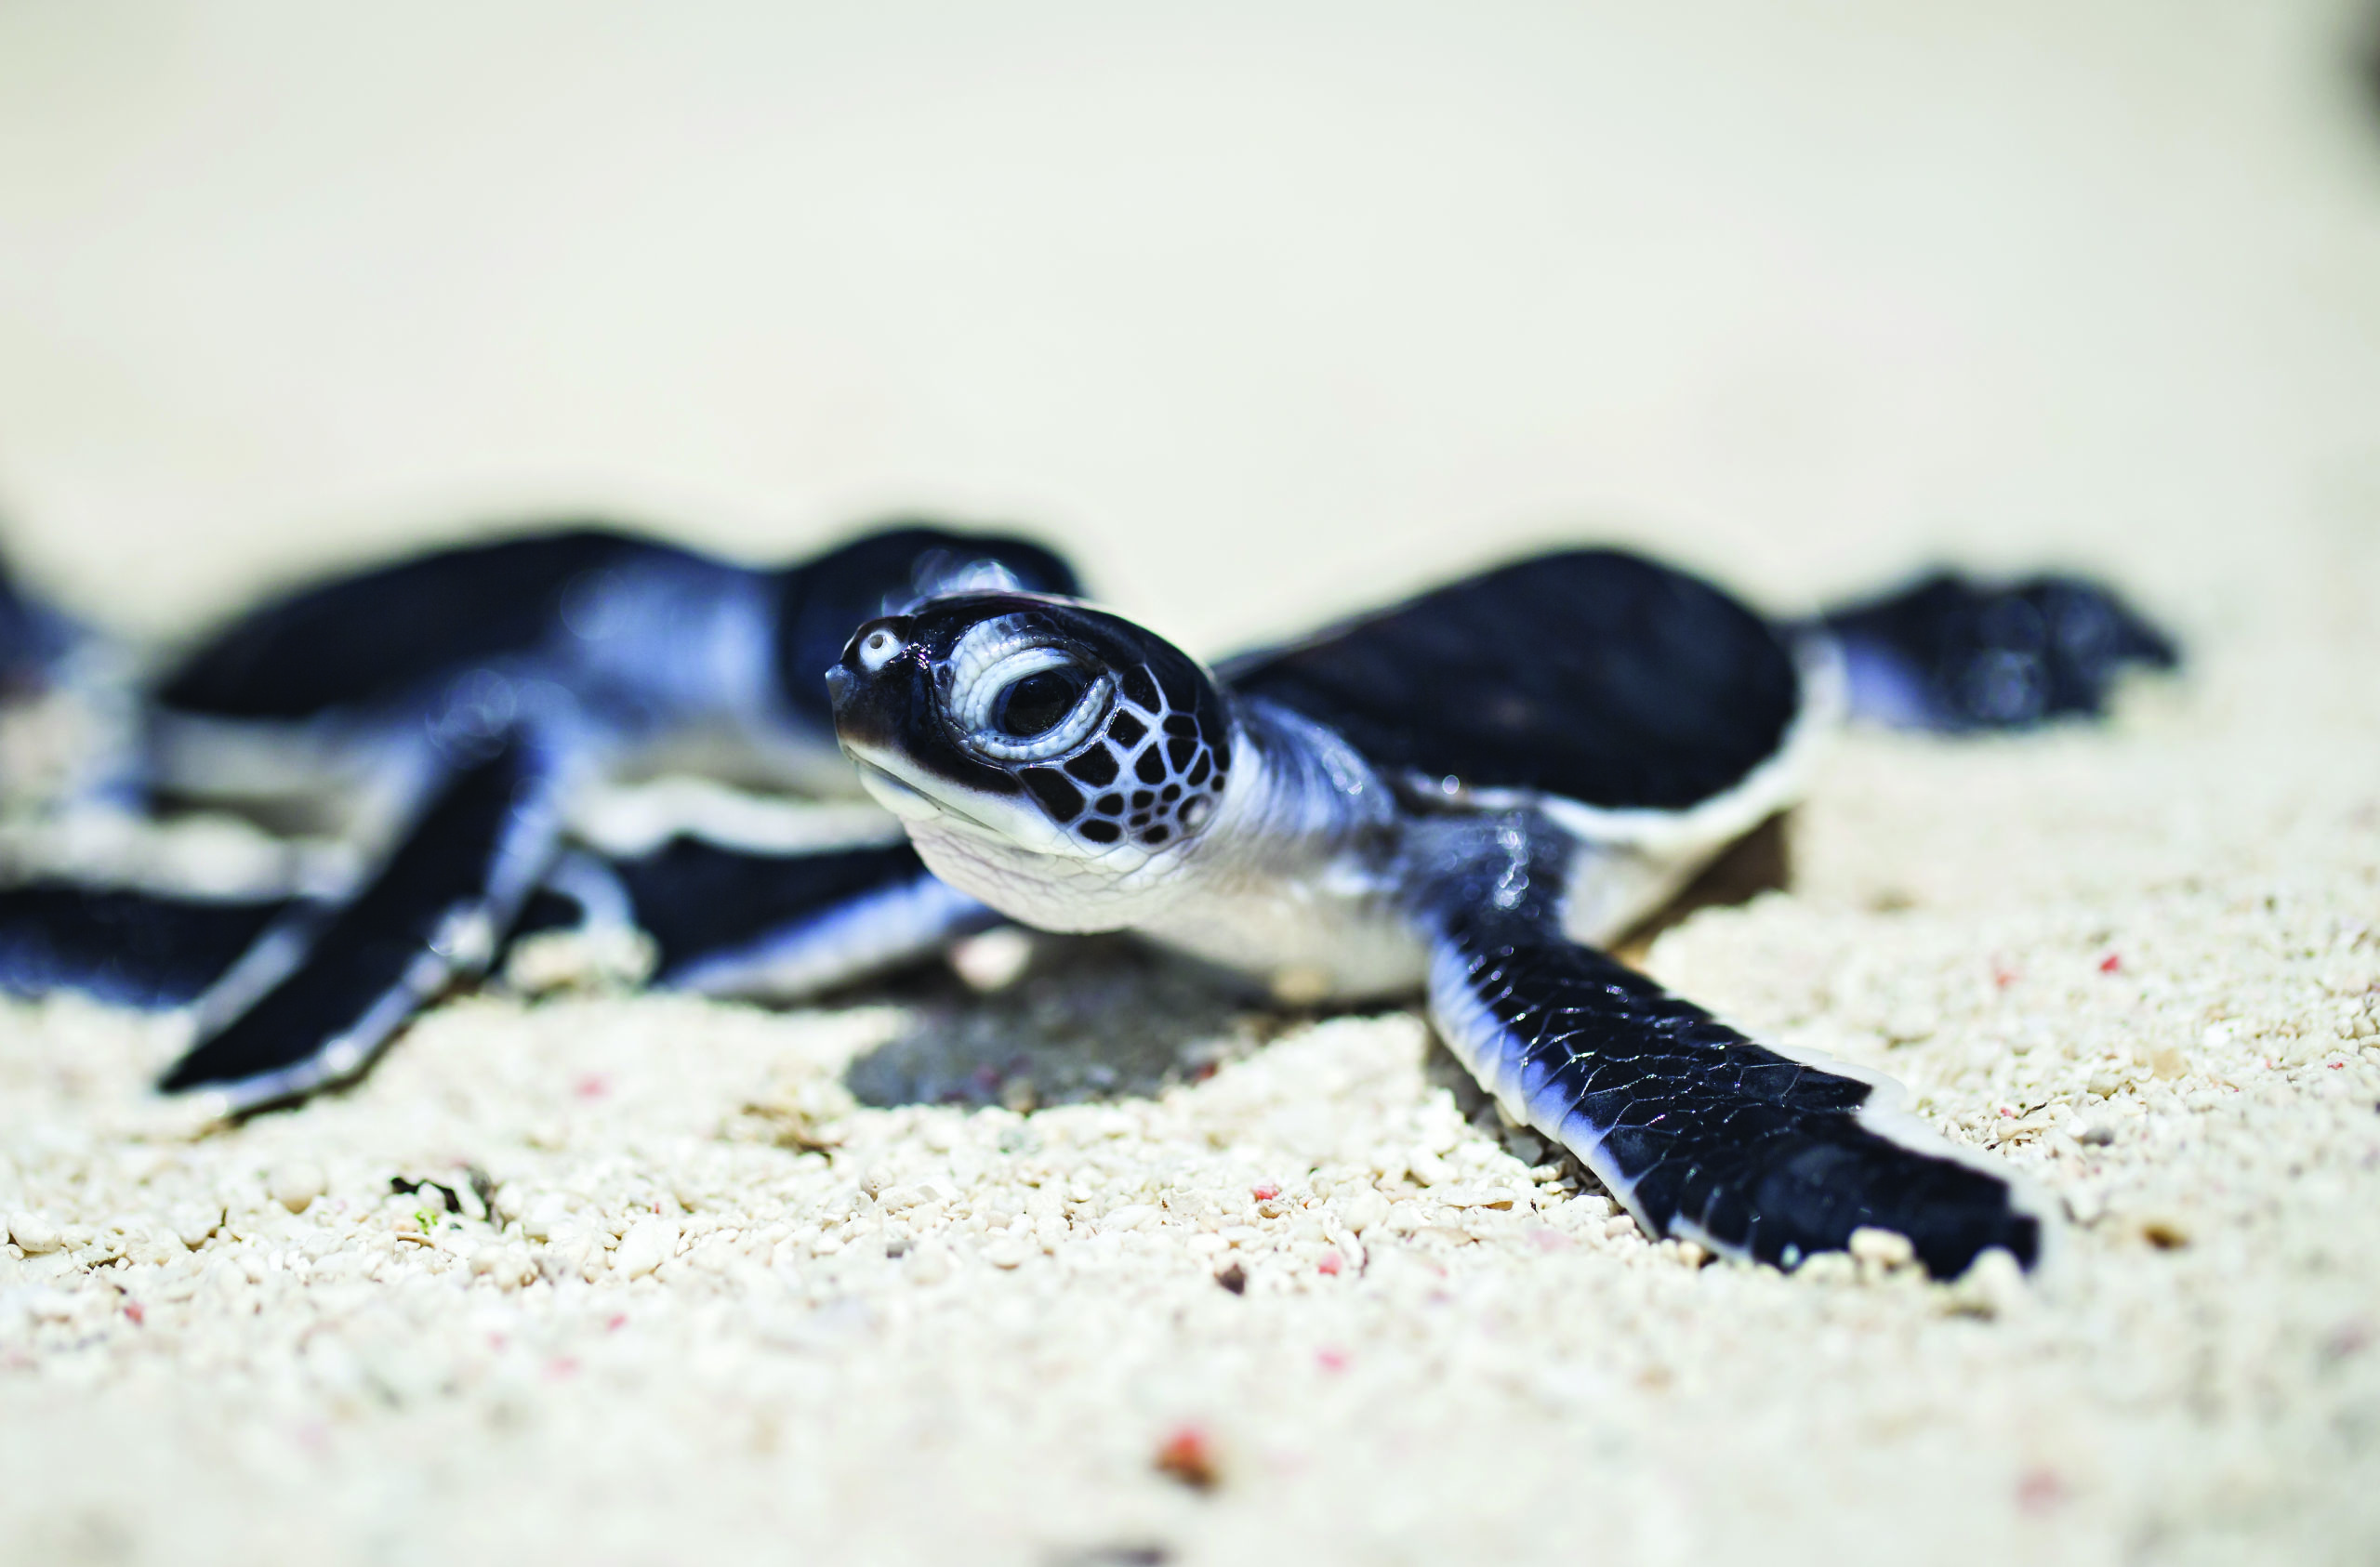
{"x":431,"y":915}
{"x":1703,"y":1133}
{"x":1954,"y":655}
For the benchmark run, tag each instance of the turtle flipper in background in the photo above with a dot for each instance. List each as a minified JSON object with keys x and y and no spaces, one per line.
{"x":779,"y":923}
{"x":1703,"y":1133}
{"x":1953,"y":655}
{"x":734,"y":921}
{"x":129,"y":946}
{"x":433,"y":914}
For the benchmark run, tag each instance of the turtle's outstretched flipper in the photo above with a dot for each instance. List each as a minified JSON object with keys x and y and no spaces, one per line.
{"x":431,"y":915}
{"x":1704,"y":1134}
{"x":1953,"y":655}
{"x":129,"y":946}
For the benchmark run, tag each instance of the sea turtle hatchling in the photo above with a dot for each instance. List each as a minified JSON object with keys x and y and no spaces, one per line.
{"x":464,"y":715}
{"x":1470,"y":795}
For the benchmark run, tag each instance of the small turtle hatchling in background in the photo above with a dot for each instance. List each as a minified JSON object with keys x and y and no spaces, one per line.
{"x":1467,"y":796}
{"x":472,"y":712}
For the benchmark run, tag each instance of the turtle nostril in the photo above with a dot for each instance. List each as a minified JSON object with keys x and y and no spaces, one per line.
{"x":838,"y":683}
{"x":877,"y":649}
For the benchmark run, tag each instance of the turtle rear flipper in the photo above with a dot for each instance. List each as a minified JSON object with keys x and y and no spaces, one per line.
{"x":1703,"y":1133}
{"x":1951,"y":654}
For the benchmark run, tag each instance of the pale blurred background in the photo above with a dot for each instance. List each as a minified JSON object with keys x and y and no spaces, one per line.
{"x":1264,"y":308}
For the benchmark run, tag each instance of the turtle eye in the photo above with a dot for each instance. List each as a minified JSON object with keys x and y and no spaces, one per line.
{"x":876,"y":649}
{"x":1015,"y":699}
{"x":1033,"y":705}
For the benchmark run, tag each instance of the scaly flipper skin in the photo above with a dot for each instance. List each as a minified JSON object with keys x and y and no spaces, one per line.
{"x":1704,"y":1134}
{"x":1951,"y":655}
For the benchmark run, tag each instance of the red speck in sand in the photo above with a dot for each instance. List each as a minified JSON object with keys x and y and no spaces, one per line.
{"x":2038,"y":1489}
{"x":2003,"y":975}
{"x":1189,"y":1456}
{"x":1329,"y":1264}
{"x":1331,"y":1360}
{"x":616,"y":1323}
{"x":2111,"y":963}
{"x":562,"y":1367}
{"x":593,"y":1086}
{"x":1546,"y":1238}
{"x":1268,"y":1191}
{"x":132,"y":1309}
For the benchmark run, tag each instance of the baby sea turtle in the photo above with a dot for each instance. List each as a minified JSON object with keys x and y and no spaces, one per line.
{"x":1470,"y":794}
{"x":463,"y":711}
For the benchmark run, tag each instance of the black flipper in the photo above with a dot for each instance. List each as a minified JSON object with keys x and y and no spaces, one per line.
{"x":1703,"y":1133}
{"x":1953,"y":655}
{"x":737,"y":922}
{"x":126,"y":946}
{"x":1592,"y":674}
{"x":431,"y":917}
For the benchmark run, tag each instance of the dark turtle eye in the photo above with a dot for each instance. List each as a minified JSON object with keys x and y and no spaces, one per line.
{"x":1036,"y":704}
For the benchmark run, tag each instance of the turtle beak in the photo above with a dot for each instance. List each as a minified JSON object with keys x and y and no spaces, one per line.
{"x":894,"y":793}
{"x":870,"y":707}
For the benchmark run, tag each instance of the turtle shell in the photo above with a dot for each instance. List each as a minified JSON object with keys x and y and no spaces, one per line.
{"x":1595,"y":675}
{"x":377,"y":635}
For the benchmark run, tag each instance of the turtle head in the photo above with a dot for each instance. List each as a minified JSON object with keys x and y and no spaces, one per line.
{"x":1033,"y":743}
{"x":888,"y":569}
